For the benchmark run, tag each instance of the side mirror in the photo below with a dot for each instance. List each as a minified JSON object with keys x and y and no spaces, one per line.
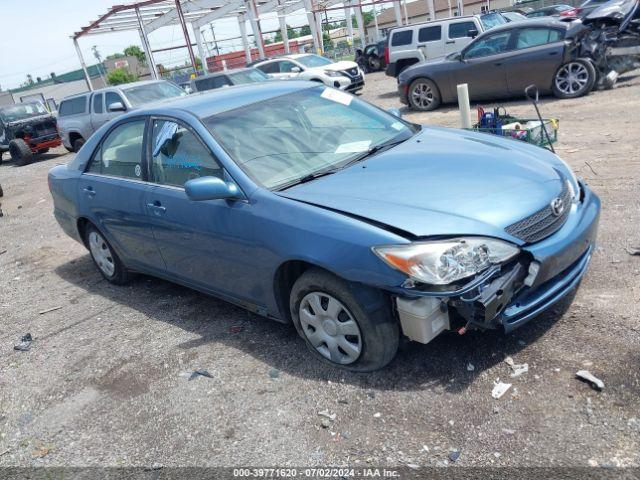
{"x":295,"y":70}
{"x":473,"y":33}
{"x":395,"y":112}
{"x":211,"y":188}
{"x":457,"y":56}
{"x":116,"y":107}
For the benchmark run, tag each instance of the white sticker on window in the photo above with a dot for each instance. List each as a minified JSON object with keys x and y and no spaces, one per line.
{"x":337,"y":96}
{"x":138,"y":170}
{"x":397,"y":126}
{"x":354,"y":147}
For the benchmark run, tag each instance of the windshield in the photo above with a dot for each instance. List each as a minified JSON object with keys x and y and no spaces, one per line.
{"x":287,"y":138}
{"x":491,"y":20}
{"x":312,"y":61}
{"x":248,"y":76}
{"x":21,"y":111}
{"x":152,"y":92}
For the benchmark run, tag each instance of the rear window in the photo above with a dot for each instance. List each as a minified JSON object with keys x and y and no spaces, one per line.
{"x":532,"y":37}
{"x":211,"y":83}
{"x":430,"y":34}
{"x":460,"y":29}
{"x":402,"y":38}
{"x":73,"y":106}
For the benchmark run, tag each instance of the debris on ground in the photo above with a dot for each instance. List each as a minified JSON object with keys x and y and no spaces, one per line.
{"x":200,"y":372}
{"x":52,"y":309}
{"x":326,"y":414}
{"x":377,"y":415}
{"x":634,"y":251}
{"x":517,"y":368}
{"x":588,"y":377}
{"x":499,"y":389}
{"x":4,"y":452}
{"x":454,"y":455}
{"x":470,"y":367}
{"x":235,"y":329}
{"x":325,"y":423}
{"x":274,"y":373}
{"x":25,"y":343}
{"x":2,"y":252}
{"x":42,"y":450}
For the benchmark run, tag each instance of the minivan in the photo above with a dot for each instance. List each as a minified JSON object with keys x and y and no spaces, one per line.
{"x":411,"y":44}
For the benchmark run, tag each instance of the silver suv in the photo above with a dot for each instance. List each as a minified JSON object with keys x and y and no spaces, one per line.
{"x":81,"y":115}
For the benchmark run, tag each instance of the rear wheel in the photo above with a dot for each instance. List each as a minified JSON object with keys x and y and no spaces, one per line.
{"x":77,"y":144}
{"x":424,"y":95}
{"x":347,"y":325}
{"x":105,"y":258}
{"x":20,"y":152}
{"x":574,"y":79}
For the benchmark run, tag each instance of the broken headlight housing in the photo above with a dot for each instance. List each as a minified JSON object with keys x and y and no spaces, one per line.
{"x":446,"y":261}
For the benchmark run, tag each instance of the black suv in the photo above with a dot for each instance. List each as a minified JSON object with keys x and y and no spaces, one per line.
{"x":27,"y":129}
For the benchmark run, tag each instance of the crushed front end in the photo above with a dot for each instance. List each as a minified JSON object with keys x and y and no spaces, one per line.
{"x":38,"y":133}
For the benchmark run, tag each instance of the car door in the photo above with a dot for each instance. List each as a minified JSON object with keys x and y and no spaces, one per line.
{"x":537,"y":54}
{"x":430,"y":42}
{"x":99,"y":116}
{"x":205,"y":243}
{"x":112,"y":193}
{"x":482,"y":67}
{"x":457,"y":36}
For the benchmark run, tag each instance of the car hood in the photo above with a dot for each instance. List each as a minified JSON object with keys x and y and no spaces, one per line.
{"x":31,"y":120}
{"x":338,"y":66}
{"x":442,"y":182}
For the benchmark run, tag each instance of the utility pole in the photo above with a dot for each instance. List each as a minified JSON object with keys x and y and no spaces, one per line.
{"x":96,"y":54}
{"x":215,"y":42}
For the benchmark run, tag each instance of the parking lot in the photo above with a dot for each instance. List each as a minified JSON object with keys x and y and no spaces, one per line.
{"x":107,"y":379}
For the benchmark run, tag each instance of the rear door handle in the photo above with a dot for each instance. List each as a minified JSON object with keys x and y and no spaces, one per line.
{"x":89,"y":192}
{"x":497,"y":64}
{"x":450,"y":42}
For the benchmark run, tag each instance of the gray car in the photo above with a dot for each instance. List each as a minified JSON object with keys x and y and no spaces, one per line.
{"x":81,"y":115}
{"x":501,"y":63}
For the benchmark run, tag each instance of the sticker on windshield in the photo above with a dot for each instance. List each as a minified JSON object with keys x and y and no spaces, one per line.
{"x":397,"y":126}
{"x":138,"y":170}
{"x":354,"y":147}
{"x":337,"y":96}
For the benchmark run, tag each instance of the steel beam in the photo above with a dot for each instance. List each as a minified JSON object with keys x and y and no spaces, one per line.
{"x":398,"y":11}
{"x":252,"y":12}
{"x":313,"y":25}
{"x":84,"y":65}
{"x":245,"y":40}
{"x":203,"y":57}
{"x":146,"y":46}
{"x":229,"y":7}
{"x":282,"y":19}
{"x":185,"y":31}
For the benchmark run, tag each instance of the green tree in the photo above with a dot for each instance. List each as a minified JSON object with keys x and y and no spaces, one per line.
{"x":305,"y":30}
{"x":115,"y":56}
{"x":119,"y":76}
{"x":291,"y":33}
{"x":134,"y":51}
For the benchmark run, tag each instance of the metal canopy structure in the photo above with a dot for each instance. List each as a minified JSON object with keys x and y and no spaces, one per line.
{"x":149,"y":15}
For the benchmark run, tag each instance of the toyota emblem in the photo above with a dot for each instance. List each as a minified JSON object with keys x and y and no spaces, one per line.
{"x":557,"y":206}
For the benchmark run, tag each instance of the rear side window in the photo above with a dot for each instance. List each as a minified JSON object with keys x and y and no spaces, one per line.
{"x":272,"y":67}
{"x":430,"y":34}
{"x":73,"y":106}
{"x":532,"y":37}
{"x":402,"y":38}
{"x":460,"y":29}
{"x":211,"y":83}
{"x":120,"y":154}
{"x":97,"y":103}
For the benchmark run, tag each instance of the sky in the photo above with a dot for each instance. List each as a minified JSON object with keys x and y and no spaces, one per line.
{"x":35,"y":36}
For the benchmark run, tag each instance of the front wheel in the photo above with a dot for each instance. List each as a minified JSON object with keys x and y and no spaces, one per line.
{"x":423,"y":95}
{"x":574,"y":79}
{"x":20,"y":152}
{"x":104,"y":257}
{"x":344,"y":324}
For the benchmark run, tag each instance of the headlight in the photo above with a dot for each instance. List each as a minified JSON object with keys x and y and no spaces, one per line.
{"x":333,"y":73}
{"x":446,"y":261}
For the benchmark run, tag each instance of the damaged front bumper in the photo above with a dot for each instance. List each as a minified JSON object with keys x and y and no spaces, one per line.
{"x":509,"y":296}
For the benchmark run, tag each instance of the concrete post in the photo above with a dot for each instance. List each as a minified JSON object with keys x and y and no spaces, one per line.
{"x":245,"y":40}
{"x":255,"y":26}
{"x":313,"y":25}
{"x":406,"y":15}
{"x":376,"y":35}
{"x":203,"y":57}
{"x":347,"y":16}
{"x":460,"y":7}
{"x":432,"y":10}
{"x":283,"y":29}
{"x":146,"y":46}
{"x":360,"y":24}
{"x":84,"y":65}
{"x":398,"y":10}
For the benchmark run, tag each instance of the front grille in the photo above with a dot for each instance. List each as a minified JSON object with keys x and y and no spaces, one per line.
{"x":45,"y":129}
{"x":542,"y":223}
{"x":351,"y":72}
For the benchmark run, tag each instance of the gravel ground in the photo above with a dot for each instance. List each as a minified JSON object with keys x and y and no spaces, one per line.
{"x":105,"y":382}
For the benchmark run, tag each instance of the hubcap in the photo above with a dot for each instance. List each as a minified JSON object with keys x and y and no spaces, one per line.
{"x":101,"y":254}
{"x":330,"y":328}
{"x":422,"y":95}
{"x":572,"y":78}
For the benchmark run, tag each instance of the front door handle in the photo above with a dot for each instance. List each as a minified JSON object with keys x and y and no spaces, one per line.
{"x":156,"y":207}
{"x":449,"y":42}
{"x":89,"y":192}
{"x":497,"y":64}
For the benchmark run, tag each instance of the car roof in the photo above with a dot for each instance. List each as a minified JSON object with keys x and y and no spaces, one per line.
{"x":125,"y":86}
{"x":211,"y":102}
{"x":222,"y":72}
{"x":530,"y":22}
{"x":553,"y":7}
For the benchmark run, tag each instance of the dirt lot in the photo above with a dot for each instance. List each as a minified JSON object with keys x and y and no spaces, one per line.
{"x":106,"y":379}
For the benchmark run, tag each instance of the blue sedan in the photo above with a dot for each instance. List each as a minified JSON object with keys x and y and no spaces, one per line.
{"x":307,"y":205}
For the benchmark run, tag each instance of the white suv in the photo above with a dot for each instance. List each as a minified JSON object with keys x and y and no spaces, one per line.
{"x":302,"y":66}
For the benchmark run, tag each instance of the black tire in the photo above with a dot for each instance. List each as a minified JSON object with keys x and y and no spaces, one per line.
{"x":574,"y":79}
{"x":77,"y":144}
{"x":428,"y":100}
{"x":20,"y":152}
{"x":120,"y":275}
{"x":1,"y":153}
{"x":69,"y":149}
{"x":43,"y":151}
{"x":378,"y":332}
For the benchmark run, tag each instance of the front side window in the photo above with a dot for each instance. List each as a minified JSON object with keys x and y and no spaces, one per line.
{"x":120,"y":154}
{"x":286,"y":66}
{"x":178,"y":155}
{"x":430,"y":34}
{"x":532,"y":37}
{"x":111,"y":97}
{"x":97,"y":103}
{"x":271,"y":67}
{"x":461,"y":29}
{"x":152,"y":92}
{"x":491,"y":45}
{"x":402,"y":38}
{"x":303,"y":133}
